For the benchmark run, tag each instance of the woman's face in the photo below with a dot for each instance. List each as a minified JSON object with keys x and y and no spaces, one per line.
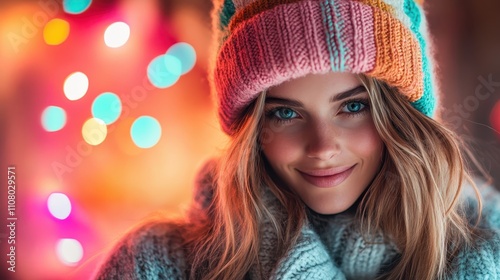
{"x":319,"y":138}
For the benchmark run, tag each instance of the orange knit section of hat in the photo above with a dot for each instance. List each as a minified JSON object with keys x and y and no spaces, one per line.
{"x":398,"y":60}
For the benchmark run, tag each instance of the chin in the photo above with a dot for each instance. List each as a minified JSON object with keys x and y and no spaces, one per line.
{"x":335,"y":207}
{"x":329,"y":210}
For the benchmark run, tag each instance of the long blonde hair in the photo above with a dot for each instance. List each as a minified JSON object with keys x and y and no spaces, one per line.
{"x":226,"y":245}
{"x":421,"y":179}
{"x":413,"y":199}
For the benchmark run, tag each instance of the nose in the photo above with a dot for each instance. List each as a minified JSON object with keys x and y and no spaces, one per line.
{"x":322,"y":142}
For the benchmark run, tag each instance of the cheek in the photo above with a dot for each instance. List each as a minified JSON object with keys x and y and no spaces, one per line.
{"x":280,"y":148}
{"x":368,"y":144}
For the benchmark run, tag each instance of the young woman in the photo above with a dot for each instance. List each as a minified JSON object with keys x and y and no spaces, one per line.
{"x":336,"y":168}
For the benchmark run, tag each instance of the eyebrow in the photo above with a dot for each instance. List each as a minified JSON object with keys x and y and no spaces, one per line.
{"x":338,"y":97}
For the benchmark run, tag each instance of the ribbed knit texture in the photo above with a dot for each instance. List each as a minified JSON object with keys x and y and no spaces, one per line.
{"x":329,"y":247}
{"x":150,"y":252}
{"x":262,"y":43}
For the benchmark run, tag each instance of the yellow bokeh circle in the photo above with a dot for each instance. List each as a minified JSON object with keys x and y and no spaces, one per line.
{"x":94,"y":131}
{"x":56,"y":31}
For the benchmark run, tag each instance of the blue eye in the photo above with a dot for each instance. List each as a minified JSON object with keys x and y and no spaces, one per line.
{"x":353,"y":107}
{"x":285,"y":113}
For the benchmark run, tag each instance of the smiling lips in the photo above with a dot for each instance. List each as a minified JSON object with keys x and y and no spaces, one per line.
{"x":326,"y":178}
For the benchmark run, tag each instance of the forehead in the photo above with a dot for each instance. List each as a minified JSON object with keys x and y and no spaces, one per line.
{"x":332,"y":82}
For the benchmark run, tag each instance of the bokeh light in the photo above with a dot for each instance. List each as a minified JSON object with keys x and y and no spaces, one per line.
{"x":185,"y":53}
{"x":59,"y":205}
{"x":69,"y":251}
{"x":94,"y":131}
{"x":56,"y":31}
{"x":107,"y":107}
{"x":76,"y":6}
{"x":117,"y":34}
{"x":53,"y":118}
{"x":164,"y":71}
{"x":495,"y":117}
{"x":76,"y":86}
{"x":145,"y":132}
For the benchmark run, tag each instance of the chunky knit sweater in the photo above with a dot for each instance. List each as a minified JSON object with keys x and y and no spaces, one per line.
{"x":330,"y":247}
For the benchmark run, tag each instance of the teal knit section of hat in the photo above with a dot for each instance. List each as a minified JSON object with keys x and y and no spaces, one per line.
{"x":427,"y":103}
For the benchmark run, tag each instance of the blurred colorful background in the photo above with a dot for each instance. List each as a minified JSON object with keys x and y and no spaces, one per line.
{"x":106,"y":116}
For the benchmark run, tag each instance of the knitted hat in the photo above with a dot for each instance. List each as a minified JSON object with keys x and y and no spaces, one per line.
{"x":262,"y":43}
